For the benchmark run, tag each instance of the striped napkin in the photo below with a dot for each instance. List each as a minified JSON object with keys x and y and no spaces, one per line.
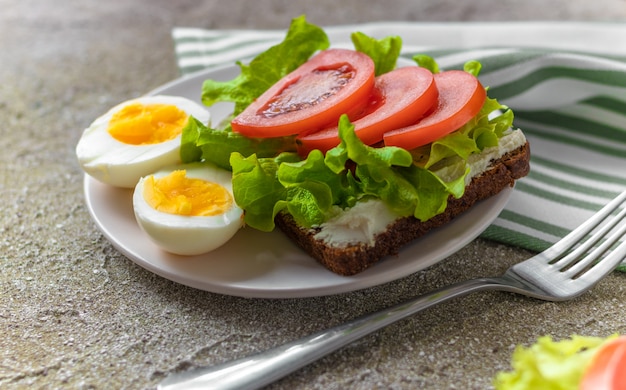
{"x":566,"y":83}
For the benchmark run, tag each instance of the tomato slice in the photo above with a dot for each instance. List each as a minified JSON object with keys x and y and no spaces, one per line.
{"x":607,"y":369}
{"x":316,"y":94}
{"x":461,"y":96}
{"x":405,"y":95}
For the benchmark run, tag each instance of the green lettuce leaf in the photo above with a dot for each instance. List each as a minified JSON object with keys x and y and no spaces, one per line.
{"x":200,"y":142}
{"x":307,"y":189}
{"x":375,"y":169}
{"x":473,"y":67}
{"x":301,"y":42}
{"x":311,"y":189}
{"x":190,"y":151}
{"x":549,"y":364}
{"x":341,"y":188}
{"x":384,"y":52}
{"x":255,"y":188}
{"x":482,"y":131}
{"x":426,"y":61}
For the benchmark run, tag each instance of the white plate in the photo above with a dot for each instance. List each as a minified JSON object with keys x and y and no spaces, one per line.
{"x":267,"y":265}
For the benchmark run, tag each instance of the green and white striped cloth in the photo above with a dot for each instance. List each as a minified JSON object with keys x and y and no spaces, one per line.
{"x":566,"y":83}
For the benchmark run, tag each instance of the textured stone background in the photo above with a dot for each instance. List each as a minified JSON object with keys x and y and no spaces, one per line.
{"x":74,"y":313}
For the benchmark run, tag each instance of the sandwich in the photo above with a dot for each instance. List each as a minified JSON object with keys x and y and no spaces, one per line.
{"x":351,"y":155}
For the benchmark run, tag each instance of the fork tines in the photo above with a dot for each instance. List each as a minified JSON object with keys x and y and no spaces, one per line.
{"x":580,"y":251}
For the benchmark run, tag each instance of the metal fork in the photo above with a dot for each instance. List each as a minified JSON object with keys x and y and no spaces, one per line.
{"x":564,"y":271}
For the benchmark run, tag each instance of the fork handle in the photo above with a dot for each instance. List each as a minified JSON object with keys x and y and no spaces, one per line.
{"x":266,"y":367}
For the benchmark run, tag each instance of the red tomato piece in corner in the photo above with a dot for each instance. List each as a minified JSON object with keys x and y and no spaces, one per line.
{"x":607,"y":369}
{"x":405,"y":94}
{"x":461,"y":96}
{"x":316,"y":94}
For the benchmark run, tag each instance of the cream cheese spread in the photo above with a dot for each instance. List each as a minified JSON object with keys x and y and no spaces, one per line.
{"x":362,"y":222}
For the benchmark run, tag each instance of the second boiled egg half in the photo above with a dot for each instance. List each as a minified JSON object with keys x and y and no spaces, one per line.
{"x":136,"y":138}
{"x":188,"y":209}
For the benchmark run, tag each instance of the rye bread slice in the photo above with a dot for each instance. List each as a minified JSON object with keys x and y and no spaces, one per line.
{"x":352,"y":259}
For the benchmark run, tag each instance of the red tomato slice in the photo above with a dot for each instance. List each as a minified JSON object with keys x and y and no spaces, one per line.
{"x":607,"y":369}
{"x":406,"y":94}
{"x":332,"y":83}
{"x":461,"y":96}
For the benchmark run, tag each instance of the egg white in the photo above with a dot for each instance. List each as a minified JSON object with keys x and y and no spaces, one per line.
{"x":122,"y":165}
{"x":189,"y":235}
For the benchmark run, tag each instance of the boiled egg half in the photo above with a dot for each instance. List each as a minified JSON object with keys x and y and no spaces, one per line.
{"x":188,"y":209}
{"x":136,"y":138}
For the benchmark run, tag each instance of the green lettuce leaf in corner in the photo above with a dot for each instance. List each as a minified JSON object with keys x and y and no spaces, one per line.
{"x":549,"y":364}
{"x":301,"y":42}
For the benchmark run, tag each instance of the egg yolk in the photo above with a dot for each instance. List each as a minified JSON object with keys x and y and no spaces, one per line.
{"x":178,"y":194}
{"x":141,"y":124}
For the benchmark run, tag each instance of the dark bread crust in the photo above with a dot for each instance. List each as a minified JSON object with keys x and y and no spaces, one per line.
{"x":353,"y":259}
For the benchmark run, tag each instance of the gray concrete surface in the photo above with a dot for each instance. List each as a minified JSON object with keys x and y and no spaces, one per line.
{"x":74,"y":313}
